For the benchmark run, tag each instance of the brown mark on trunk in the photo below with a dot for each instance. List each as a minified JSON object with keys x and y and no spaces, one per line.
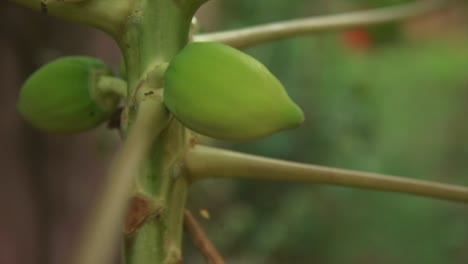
{"x":137,"y":213}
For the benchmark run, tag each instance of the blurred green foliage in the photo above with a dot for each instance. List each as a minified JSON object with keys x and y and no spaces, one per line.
{"x":397,"y":109}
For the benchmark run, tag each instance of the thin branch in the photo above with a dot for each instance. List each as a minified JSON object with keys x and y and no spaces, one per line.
{"x":106,"y":15}
{"x":250,"y":36}
{"x":175,"y":218}
{"x":200,"y":239}
{"x":205,"y":162}
{"x":102,"y":229}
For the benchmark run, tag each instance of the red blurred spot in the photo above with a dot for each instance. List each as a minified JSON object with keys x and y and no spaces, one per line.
{"x":356,"y":39}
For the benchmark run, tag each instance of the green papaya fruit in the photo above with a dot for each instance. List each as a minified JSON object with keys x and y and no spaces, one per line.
{"x":61,"y":96}
{"x":224,"y":93}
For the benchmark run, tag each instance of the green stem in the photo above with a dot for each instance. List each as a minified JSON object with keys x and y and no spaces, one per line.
{"x":157,"y":239}
{"x":106,"y":15}
{"x":102,"y":227}
{"x":175,"y":219}
{"x":112,"y":85}
{"x":206,"y":162}
{"x":66,"y":1}
{"x":153,"y":33}
{"x":247,"y":37}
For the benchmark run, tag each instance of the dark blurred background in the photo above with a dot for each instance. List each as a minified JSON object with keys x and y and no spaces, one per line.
{"x":391,"y":99}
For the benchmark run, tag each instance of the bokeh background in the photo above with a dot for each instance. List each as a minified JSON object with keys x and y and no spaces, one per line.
{"x":391,"y":99}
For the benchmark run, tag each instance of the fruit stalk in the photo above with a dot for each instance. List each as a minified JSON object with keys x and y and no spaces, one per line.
{"x":111,"y":85}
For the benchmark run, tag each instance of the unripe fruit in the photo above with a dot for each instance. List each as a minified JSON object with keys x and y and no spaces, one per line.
{"x":224,"y":93}
{"x":61,"y":96}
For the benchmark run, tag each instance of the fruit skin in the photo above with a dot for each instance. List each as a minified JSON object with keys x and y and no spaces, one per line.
{"x":224,"y":93}
{"x":60,"y":97}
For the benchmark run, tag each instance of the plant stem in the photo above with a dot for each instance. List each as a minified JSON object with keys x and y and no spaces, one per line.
{"x":103,"y":225}
{"x":200,"y":239}
{"x":205,"y":162}
{"x":250,"y":36}
{"x":106,"y":15}
{"x":152,"y":34}
{"x":175,"y":219}
{"x":108,"y":91}
{"x":112,"y":85}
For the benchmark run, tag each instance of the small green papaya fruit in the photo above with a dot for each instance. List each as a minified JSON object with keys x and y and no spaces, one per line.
{"x":224,"y":93}
{"x":61,"y":96}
